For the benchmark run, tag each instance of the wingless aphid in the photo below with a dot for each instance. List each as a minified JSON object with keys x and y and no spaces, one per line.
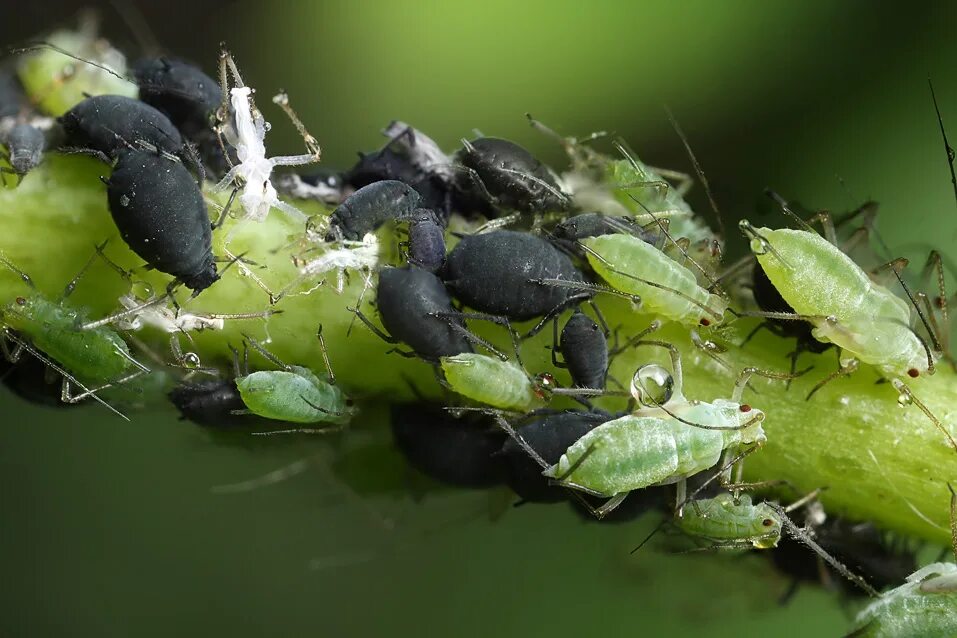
{"x":92,"y":360}
{"x":245,"y":128}
{"x":845,"y":306}
{"x":667,"y":440}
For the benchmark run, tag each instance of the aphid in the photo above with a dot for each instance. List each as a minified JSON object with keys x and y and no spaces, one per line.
{"x":416,"y":309}
{"x":25,"y":145}
{"x":845,"y":307}
{"x":247,"y":133}
{"x":925,"y":605}
{"x":666,"y":287}
{"x":327,"y":187}
{"x":730,"y":522}
{"x":112,"y":125}
{"x":426,"y":240}
{"x":90,"y":359}
{"x":585,"y":225}
{"x":502,"y":385}
{"x":212,"y":403}
{"x":501,"y":272}
{"x":161,"y":215}
{"x":294,"y":393}
{"x":33,"y":381}
{"x":549,"y":435}
{"x":458,"y":451}
{"x":584,"y":348}
{"x":665,"y":441}
{"x":370,"y":207}
{"x":509,"y":177}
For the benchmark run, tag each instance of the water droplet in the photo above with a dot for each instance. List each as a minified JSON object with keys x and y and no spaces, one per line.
{"x":191,"y":360}
{"x":124,"y":201}
{"x":904,"y":399}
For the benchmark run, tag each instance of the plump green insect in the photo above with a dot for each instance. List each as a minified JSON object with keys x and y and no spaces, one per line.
{"x":667,"y":440}
{"x":92,"y":359}
{"x":294,"y":393}
{"x":925,"y":606}
{"x":727,"y":522}
{"x":666,"y":287}
{"x":488,"y":380}
{"x":846,"y":307}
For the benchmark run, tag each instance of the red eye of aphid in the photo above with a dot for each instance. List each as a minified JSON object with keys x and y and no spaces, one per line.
{"x":767,"y":522}
{"x":21,"y":301}
{"x":913,"y":373}
{"x":705,"y":321}
{"x":745,"y":408}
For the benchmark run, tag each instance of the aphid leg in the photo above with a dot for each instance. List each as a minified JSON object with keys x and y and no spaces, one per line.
{"x":940,"y":303}
{"x":332,"y":429}
{"x":634,"y":341}
{"x":258,"y":347}
{"x":804,"y":537}
{"x":953,"y":519}
{"x":943,"y":134}
{"x":697,"y":168}
{"x":502,"y":321}
{"x":312,"y":145}
{"x":710,"y":348}
{"x":135,"y":310}
{"x":584,"y":286}
{"x":846,"y":369}
{"x":325,"y":356}
{"x":555,"y":345}
{"x":907,"y":396}
{"x":746,"y":374}
{"x":497,"y":223}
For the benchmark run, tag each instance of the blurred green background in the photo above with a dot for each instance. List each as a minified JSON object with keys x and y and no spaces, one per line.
{"x":113,"y":529}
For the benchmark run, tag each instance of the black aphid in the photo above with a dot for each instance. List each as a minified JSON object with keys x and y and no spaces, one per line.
{"x":426,"y":240}
{"x":584,"y":348}
{"x":211,"y":403}
{"x":111,"y":125}
{"x":458,"y":451}
{"x":370,"y":207}
{"x":25,"y":145}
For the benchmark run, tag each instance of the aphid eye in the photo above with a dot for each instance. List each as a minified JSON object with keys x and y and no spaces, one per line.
{"x":21,"y":301}
{"x":705,"y":321}
{"x":350,"y":402}
{"x":745,"y":407}
{"x":547,"y":381}
{"x":652,"y":385}
{"x":767,"y":522}
{"x":913,"y":373}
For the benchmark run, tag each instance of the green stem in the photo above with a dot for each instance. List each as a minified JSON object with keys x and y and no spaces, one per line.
{"x":877,"y":460}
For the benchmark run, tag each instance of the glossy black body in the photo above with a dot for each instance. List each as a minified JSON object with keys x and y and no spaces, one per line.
{"x":160,"y":213}
{"x":492,"y":273}
{"x":585,"y":350}
{"x":211,"y":403}
{"x":458,"y":451}
{"x":426,"y":240}
{"x":370,"y":207}
{"x":113,"y":125}
{"x":187,"y":95}
{"x":389,"y":164}
{"x":31,"y":380}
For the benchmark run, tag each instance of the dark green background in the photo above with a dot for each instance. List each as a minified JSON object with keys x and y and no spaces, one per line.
{"x":111,"y":529}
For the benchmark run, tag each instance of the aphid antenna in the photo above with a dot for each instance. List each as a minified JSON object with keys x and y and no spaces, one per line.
{"x":39,"y":45}
{"x":747,"y":373}
{"x":894,"y":489}
{"x":697,"y":169}
{"x":22,"y":275}
{"x":943,"y":134}
{"x":766,"y":246}
{"x":551,"y":189}
{"x":635,"y":340}
{"x":845,"y":369}
{"x":366,"y":286}
{"x":895,"y":266}
{"x":90,"y":325}
{"x":786,"y":208}
{"x":953,"y":519}
{"x":325,"y":358}
{"x":622,"y":147}
{"x":67,"y":377}
{"x":902,"y":388}
{"x":653,"y":284}
{"x":468,"y":334}
{"x":582,"y":285}
{"x":258,"y":347}
{"x":804,"y":537}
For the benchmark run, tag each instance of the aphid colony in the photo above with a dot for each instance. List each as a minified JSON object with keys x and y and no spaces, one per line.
{"x":530,"y":246}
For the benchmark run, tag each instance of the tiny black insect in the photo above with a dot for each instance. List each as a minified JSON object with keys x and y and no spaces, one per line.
{"x":370,"y":207}
{"x":584,"y":347}
{"x":426,"y":240}
{"x":457,"y":451}
{"x":25,"y":145}
{"x":31,"y":380}
{"x":509,"y":177}
{"x":416,"y":310}
{"x":550,"y":436}
{"x":212,"y":403}
{"x":499,"y":273}
{"x":389,"y":164}
{"x":111,"y":125}
{"x":160,"y":213}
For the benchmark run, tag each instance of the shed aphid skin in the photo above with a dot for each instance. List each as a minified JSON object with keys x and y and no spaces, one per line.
{"x":665,"y":441}
{"x":245,"y":129}
{"x":91,"y":360}
{"x":925,"y":605}
{"x":846,"y":307}
{"x":294,"y":394}
{"x":327,"y":187}
{"x":341,"y":257}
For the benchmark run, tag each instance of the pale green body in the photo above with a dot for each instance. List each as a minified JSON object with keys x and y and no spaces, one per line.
{"x":500,"y":384}
{"x":638,"y":450}
{"x":923,"y":607}
{"x":723,"y":522}
{"x":631,"y":255}
{"x":285,"y":396}
{"x":95,"y":357}
{"x":817,"y":278}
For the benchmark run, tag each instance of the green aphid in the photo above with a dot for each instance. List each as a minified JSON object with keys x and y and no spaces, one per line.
{"x":91,"y":356}
{"x":294,"y":394}
{"x":727,"y":522}
{"x":666,"y":287}
{"x":666,"y":441}
{"x":488,"y":380}
{"x":56,"y":82}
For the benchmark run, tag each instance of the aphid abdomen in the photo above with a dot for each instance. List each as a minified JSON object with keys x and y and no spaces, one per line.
{"x":500,"y":384}
{"x":585,"y":351}
{"x":371,"y":206}
{"x":634,"y":452}
{"x":909,"y":611}
{"x":286,"y":396}
{"x":812,"y":274}
{"x":721,"y":520}
{"x":632,"y":256}
{"x":160,"y":213}
{"x":113,"y":124}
